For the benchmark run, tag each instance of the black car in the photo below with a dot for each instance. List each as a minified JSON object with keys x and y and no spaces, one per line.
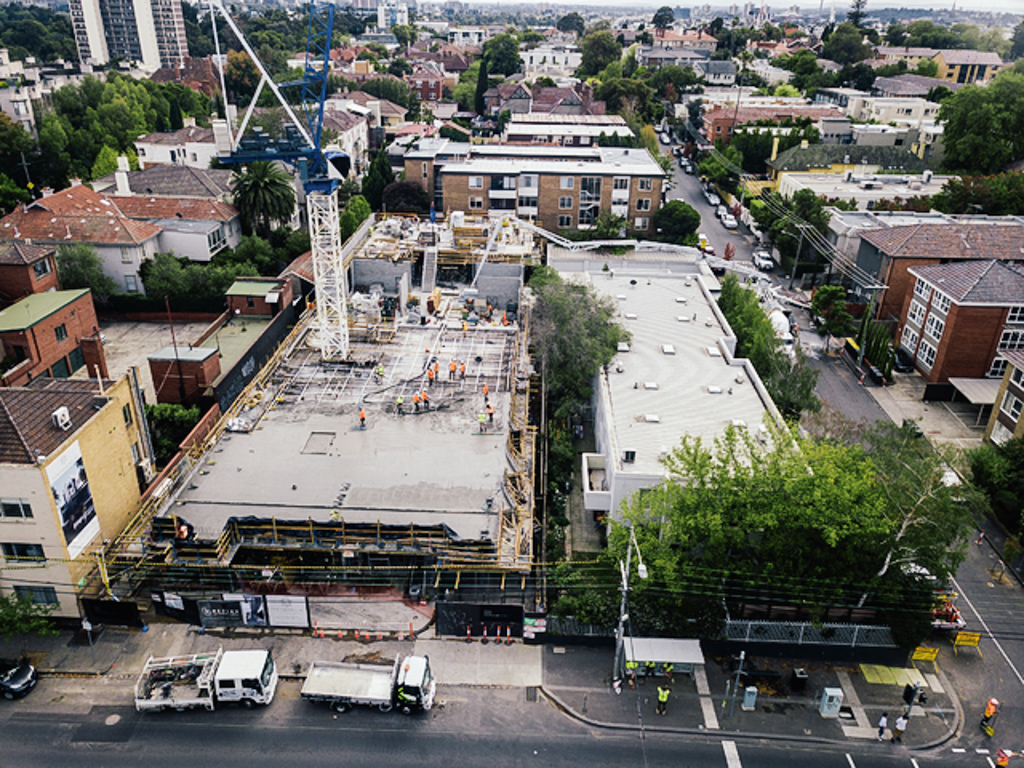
{"x":902,"y":361}
{"x":17,"y":678}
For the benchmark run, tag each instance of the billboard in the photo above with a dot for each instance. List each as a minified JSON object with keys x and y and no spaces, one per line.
{"x":70,"y":488}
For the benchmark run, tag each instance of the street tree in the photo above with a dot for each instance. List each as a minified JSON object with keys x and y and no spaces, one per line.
{"x":482,"y":84}
{"x":405,"y":34}
{"x":598,"y":49}
{"x":829,"y":303}
{"x":263,"y":195}
{"x":79,"y":266}
{"x":14,"y":140}
{"x":1001,"y":194}
{"x":676,"y":221}
{"x":11,"y":195}
{"x":501,"y":53}
{"x":664,"y":18}
{"x":780,"y":220}
{"x":376,"y":179}
{"x":19,"y":615}
{"x":572,"y":22}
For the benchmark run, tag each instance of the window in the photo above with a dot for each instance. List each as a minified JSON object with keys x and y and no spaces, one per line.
{"x":590,"y":188}
{"x":424,"y":170}
{"x":126,"y":256}
{"x":916,"y":313}
{"x":922,"y":290}
{"x":909,"y":340}
{"x":568,"y":182}
{"x":38,"y":595}
{"x":934,"y":326}
{"x":131,"y":284}
{"x":641,"y":222}
{"x":476,"y":203}
{"x":645,"y":185}
{"x":1016,"y":377}
{"x":61,"y":331}
{"x":998,"y":368}
{"x":22,"y":551}
{"x":564,"y":222}
{"x":215,"y":240}
{"x":926,"y":354}
{"x":528,"y":181}
{"x":15,"y":508}
{"x":42,"y":268}
{"x":1015,"y":315}
{"x":527,"y":202}
{"x":476,"y":182}
{"x":1011,"y":340}
{"x":940,"y":303}
{"x":250,"y":302}
{"x":565,"y":203}
{"x":1011,"y":406}
{"x":643,"y":204}
{"x":620,"y":183}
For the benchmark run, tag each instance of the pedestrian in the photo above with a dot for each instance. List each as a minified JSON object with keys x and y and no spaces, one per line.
{"x":362,"y":419}
{"x":490,"y":413}
{"x":981,"y":537}
{"x":462,"y":370}
{"x":663,"y":692}
{"x":416,"y":402}
{"x":400,"y":405}
{"x":898,"y":728}
{"x":668,"y":669}
{"x":451,"y":370}
{"x":883,"y":723}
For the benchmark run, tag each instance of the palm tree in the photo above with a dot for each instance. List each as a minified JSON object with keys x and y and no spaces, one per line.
{"x":264,"y":196}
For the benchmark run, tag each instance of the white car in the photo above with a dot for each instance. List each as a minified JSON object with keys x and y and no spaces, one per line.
{"x":721,"y":211}
{"x":728,"y":221}
{"x":713,"y":199}
{"x":763,"y":260}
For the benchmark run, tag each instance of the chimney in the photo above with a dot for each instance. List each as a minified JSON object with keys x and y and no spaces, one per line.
{"x":76,"y":182}
{"x":188,"y":122}
{"x":775,"y":148}
{"x":121,"y":176}
{"x":375,"y":106}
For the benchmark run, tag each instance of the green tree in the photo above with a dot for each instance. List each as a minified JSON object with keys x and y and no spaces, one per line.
{"x":676,"y":222}
{"x":664,"y":18}
{"x":405,"y":197}
{"x":482,"y":84}
{"x":376,"y":179}
{"x":169,"y":425}
{"x":263,"y":195}
{"x":20,"y":616}
{"x":391,"y":89}
{"x":857,"y":14}
{"x":829,"y":303}
{"x":501,"y":54}
{"x":895,"y":34}
{"x":984,"y":127}
{"x":14,"y":140}
{"x":175,"y":118}
{"x":998,"y":195}
{"x":11,"y":195}
{"x":597,"y":50}
{"x":106,"y":162}
{"x":780,"y":221}
{"x":846,"y":46}
{"x":79,"y":266}
{"x":399,"y":67}
{"x":1017,"y":42}
{"x":572,"y":22}
{"x":405,"y":35}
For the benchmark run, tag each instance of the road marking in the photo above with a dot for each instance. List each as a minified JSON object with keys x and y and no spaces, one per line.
{"x":988,"y":632}
{"x":958,"y":750}
{"x":850,"y":761}
{"x":990,"y":763}
{"x":707,"y":706}
{"x":732,"y":755}
{"x":981,"y":752}
{"x":913,"y":762}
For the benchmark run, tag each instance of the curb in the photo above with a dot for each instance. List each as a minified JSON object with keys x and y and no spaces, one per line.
{"x":753,"y":735}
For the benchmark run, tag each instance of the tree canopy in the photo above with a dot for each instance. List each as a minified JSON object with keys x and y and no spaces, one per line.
{"x":984,"y":127}
{"x":501,"y":53}
{"x":598,"y":49}
{"x":264,"y":196}
{"x":572,"y":22}
{"x":79,"y":266}
{"x":664,"y":18}
{"x":676,"y":222}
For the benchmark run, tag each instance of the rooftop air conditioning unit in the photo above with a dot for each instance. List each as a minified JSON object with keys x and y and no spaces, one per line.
{"x":61,"y":418}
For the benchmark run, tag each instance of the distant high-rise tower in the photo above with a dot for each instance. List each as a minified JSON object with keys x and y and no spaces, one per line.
{"x":150,"y":33}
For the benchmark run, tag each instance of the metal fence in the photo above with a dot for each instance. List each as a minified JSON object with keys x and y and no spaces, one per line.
{"x":805,"y":633}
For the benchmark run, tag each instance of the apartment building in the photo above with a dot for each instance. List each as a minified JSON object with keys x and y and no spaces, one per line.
{"x":1005,"y":422}
{"x":148,"y":32}
{"x":559,"y":187}
{"x":965,"y":66}
{"x":563,"y":130}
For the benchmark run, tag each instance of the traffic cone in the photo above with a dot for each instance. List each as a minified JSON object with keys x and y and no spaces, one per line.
{"x":341,"y":635}
{"x":411,"y":633}
{"x":508,"y":635}
{"x":380,"y":635}
{"x":484,"y":641}
{"x":469,"y":636}
{"x":355,"y":634}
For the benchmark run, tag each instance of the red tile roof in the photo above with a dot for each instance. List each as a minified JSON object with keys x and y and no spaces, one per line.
{"x":77,"y":215}
{"x":13,"y":252}
{"x":146,"y":207}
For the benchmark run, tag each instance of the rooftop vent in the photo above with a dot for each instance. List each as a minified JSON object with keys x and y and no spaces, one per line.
{"x":650,"y":385}
{"x":714,"y":352}
{"x":621,"y":297}
{"x":683,"y":318}
{"x":631,"y":315}
{"x":61,"y":418}
{"x":713,"y":390}
{"x":623,"y":346}
{"x":652,"y":418}
{"x":668,"y":349}
{"x":680,"y":299}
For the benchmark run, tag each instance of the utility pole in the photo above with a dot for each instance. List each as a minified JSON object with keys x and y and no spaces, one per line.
{"x":796,"y":259}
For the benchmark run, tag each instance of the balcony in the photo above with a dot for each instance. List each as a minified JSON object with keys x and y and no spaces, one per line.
{"x":621,"y":209}
{"x":502,"y":194}
{"x":596,"y":488}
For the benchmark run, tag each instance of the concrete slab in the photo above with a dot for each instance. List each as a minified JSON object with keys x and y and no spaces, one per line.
{"x":458,"y":663}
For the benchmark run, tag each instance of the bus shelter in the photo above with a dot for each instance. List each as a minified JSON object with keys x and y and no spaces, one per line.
{"x":683,"y":655}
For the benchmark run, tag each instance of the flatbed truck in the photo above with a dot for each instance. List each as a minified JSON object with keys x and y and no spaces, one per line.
{"x":203,"y":680}
{"x":407,"y":685}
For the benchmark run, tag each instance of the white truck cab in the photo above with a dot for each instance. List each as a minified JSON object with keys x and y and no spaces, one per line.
{"x":249,"y":677}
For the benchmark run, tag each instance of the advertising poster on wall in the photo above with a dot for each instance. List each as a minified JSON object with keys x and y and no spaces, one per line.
{"x":70,"y":488}
{"x":254,"y":609}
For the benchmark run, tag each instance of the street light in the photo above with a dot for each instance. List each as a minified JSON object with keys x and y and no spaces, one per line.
{"x":617,"y":666}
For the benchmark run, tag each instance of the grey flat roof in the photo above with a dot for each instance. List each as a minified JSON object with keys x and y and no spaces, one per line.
{"x":682,"y":401}
{"x":663,"y":650}
{"x":186,"y":354}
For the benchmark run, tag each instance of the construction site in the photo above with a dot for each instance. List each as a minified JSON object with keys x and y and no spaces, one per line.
{"x":405,"y":461}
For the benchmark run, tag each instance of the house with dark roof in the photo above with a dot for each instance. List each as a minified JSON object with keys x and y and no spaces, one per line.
{"x":654,"y":58}
{"x":909,"y":85}
{"x":50,"y":334}
{"x":79,"y":215}
{"x":26,"y":269}
{"x":168,"y":181}
{"x":967,"y":66}
{"x":189,"y":227}
{"x":716,"y":72}
{"x":891,"y":253}
{"x":74,"y":458}
{"x":959,"y":318}
{"x":839,"y":158}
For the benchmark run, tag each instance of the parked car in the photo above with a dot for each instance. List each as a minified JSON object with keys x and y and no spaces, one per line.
{"x":720,"y":211}
{"x":678,"y":152}
{"x":902,"y":361}
{"x":713,"y":199}
{"x":763,"y":260}
{"x":728,"y":221}
{"x":17,"y":678}
{"x":689,"y":168}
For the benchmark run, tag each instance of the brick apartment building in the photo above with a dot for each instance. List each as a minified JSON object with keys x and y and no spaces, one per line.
{"x":26,"y":269}
{"x":1005,"y":421}
{"x":720,"y":123}
{"x":559,"y":187}
{"x":960,"y":318}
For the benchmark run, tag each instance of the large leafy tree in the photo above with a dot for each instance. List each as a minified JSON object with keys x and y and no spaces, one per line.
{"x":20,"y":616}
{"x":846,"y":46}
{"x":405,"y":197}
{"x":780,"y":220}
{"x":676,"y":221}
{"x":829,"y":303}
{"x":11,"y":194}
{"x":14,"y":140}
{"x":984,"y":127}
{"x":1017,"y":42}
{"x":376,"y":179}
{"x":598,"y":49}
{"x":998,"y":195}
{"x":572,"y":22}
{"x":857,"y":14}
{"x":664,"y":18}
{"x":482,"y":83}
{"x":501,"y":53}
{"x":264,"y":196}
{"x":79,"y":266}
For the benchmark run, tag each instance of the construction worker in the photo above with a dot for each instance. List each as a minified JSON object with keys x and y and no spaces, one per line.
{"x":426,"y":400}
{"x":416,"y":402}
{"x":362,"y":418}
{"x":650,"y":667}
{"x":482,"y":418}
{"x":462,"y":370}
{"x":490,"y":413}
{"x":988,"y":720}
{"x":485,"y":393}
{"x":1003,"y":757}
{"x":437,"y":368}
{"x":631,"y":667}
{"x":452,"y":366}
{"x":668,"y":669}
{"x":663,"y":693}
{"x":504,"y":318}
{"x":379,"y":372}
{"x":430,"y":376}
{"x":400,"y":405}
